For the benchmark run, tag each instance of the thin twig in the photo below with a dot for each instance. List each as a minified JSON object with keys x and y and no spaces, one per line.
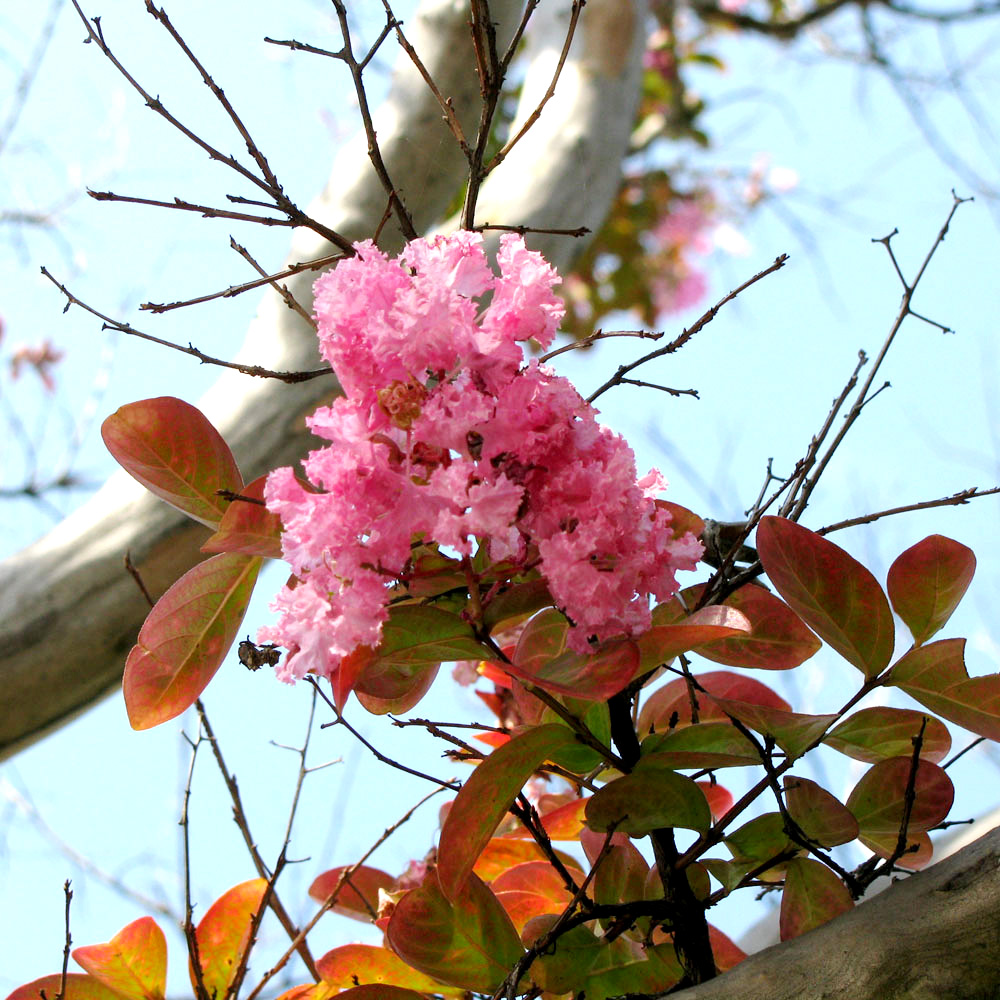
{"x":68,"y":894}
{"x":962,"y":497}
{"x":290,"y":300}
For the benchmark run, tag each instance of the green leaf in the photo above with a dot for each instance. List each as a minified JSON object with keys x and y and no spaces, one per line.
{"x":875,"y":734}
{"x":878,"y":799}
{"x":927,"y":582}
{"x":185,"y":638}
{"x":652,"y":797}
{"x":133,"y":963}
{"x":562,"y":966}
{"x":578,"y":757}
{"x":486,"y":796}
{"x":813,"y":895}
{"x":468,"y":942}
{"x":422,"y":634}
{"x":223,"y":934}
{"x":248,"y":527}
{"x":830,"y":591}
{"x":358,"y":895}
{"x":172,"y":449}
{"x":708,"y":744}
{"x":670,"y":706}
{"x":761,"y":840}
{"x":617,"y":971}
{"x":821,"y":816}
{"x":794,"y":732}
{"x":778,"y":641}
{"x":541,"y":658}
{"x":936,"y":676}
{"x":78,"y":987}
{"x":369,"y":965}
{"x":514,"y":603}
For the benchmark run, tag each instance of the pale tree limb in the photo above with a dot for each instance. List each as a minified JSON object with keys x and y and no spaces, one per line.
{"x":931,"y":936}
{"x":68,"y":611}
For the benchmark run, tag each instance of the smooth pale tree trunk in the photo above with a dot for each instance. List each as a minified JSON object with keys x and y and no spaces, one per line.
{"x":69,"y":613}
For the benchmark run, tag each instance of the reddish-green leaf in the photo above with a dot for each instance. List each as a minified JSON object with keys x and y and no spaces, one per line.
{"x":652,"y":797}
{"x":422,"y":634}
{"x":813,"y":895}
{"x":709,"y":625}
{"x":384,"y":687}
{"x":561,"y":967}
{"x":502,"y":853}
{"x":78,"y":987}
{"x":514,"y":603}
{"x":223,"y":934}
{"x":541,"y":658}
{"x":485,"y":798}
{"x":936,"y":676}
{"x":927,"y":581}
{"x":185,"y":638}
{"x":621,"y":876}
{"x":821,"y":816}
{"x":918,"y":852}
{"x":172,"y":449}
{"x":248,"y":527}
{"x":709,"y":744}
{"x":793,"y":731}
{"x":778,"y":640}
{"x":468,"y":942}
{"x":562,"y":823}
{"x":830,"y":591}
{"x":358,"y":894}
{"x":878,"y":799}
{"x":625,"y":968}
{"x":671,"y":705}
{"x":727,"y":953}
{"x":133,"y":963}
{"x":762,"y":839}
{"x":369,"y":965}
{"x":875,"y":734}
{"x":380,"y":991}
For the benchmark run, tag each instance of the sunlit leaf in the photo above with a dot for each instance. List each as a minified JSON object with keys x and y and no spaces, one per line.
{"x":936,"y":676}
{"x":813,"y":895}
{"x":650,"y":798}
{"x":485,"y":798}
{"x":822,"y":817}
{"x":878,"y":799}
{"x":563,"y":823}
{"x":133,"y":963}
{"x":172,"y":449}
{"x":720,"y":800}
{"x":541,"y":658}
{"x":875,"y":734}
{"x":671,"y":706}
{"x":502,"y":853}
{"x":927,"y":581}
{"x":830,"y":591}
{"x":186,"y":637}
{"x":358,"y":894}
{"x":248,"y":527}
{"x":78,"y":987}
{"x":792,"y":731}
{"x":223,"y":934}
{"x":709,"y":744}
{"x":368,"y":965}
{"x":528,"y":890}
{"x":663,"y":642}
{"x":778,"y":641}
{"x":468,"y":942}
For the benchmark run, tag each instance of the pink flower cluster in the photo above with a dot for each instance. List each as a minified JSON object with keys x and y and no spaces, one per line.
{"x":445,"y":434}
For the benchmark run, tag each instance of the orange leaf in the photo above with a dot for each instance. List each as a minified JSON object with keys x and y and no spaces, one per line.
{"x":248,"y":527}
{"x":133,"y":963}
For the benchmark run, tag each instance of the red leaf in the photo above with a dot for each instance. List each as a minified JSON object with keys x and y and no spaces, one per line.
{"x":778,"y":640}
{"x":133,"y":963}
{"x":541,"y":658}
{"x":875,"y":734}
{"x":830,"y":591}
{"x":185,"y":638}
{"x":503,"y":853}
{"x":78,"y":987}
{"x":563,"y":823}
{"x":358,"y":895}
{"x":720,"y":800}
{"x":927,"y":581}
{"x":727,"y":953}
{"x":248,"y":527}
{"x":709,"y":625}
{"x":468,"y":942}
{"x":223,"y":934}
{"x":485,"y":798}
{"x":936,"y":676}
{"x":172,"y":449}
{"x":674,"y":699}
{"x":878,"y":799}
{"x":813,"y":895}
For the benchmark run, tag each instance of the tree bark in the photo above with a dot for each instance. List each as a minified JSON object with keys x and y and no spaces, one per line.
{"x":68,"y":611}
{"x":932,"y":936}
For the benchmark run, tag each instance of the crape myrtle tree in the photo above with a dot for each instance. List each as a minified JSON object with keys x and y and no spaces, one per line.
{"x":461,"y":504}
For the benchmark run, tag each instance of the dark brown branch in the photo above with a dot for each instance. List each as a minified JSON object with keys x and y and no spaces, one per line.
{"x":962,"y":497}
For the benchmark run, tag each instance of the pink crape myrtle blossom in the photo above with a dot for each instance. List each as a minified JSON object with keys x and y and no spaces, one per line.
{"x":445,"y":434}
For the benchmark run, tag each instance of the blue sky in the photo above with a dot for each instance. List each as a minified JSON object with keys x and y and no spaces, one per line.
{"x":767,"y":369}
